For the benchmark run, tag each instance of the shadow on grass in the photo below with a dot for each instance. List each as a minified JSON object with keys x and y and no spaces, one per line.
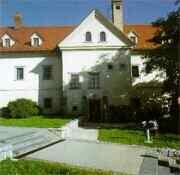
{"x":59,"y":117}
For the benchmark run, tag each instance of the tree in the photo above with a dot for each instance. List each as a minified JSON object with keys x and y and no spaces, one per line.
{"x":166,"y":56}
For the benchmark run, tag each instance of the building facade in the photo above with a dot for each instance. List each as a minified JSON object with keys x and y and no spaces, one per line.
{"x":74,"y":69}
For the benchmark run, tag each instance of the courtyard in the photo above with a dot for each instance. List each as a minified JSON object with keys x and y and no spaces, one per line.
{"x":110,"y":150}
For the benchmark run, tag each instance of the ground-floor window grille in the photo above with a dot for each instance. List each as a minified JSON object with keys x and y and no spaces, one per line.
{"x":74,"y":82}
{"x":47,"y":103}
{"x":135,"y":71}
{"x":94,"y":80}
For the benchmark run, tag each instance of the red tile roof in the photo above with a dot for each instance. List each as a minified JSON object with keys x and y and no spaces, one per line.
{"x":53,"y":35}
{"x":144,"y":33}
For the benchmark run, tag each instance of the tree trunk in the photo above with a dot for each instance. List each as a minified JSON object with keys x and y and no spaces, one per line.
{"x":178,"y":85}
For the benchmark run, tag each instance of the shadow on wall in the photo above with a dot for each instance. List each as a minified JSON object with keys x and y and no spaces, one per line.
{"x":49,"y":72}
{"x":114,"y":85}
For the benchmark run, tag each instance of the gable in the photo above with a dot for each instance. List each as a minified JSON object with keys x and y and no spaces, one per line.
{"x":95,"y":24}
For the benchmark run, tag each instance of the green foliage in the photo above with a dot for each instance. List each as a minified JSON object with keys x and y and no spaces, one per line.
{"x":21,"y":108}
{"x":119,"y":114}
{"x":147,"y":101}
{"x":4,"y":112}
{"x":32,"y":167}
{"x":166,"y":57}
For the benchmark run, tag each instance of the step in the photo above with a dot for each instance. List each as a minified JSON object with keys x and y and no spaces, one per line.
{"x":10,"y":139}
{"x":28,"y":142}
{"x":40,"y":144}
{"x":149,"y":166}
{"x":29,"y":146}
{"x":23,"y":139}
{"x":34,"y":142}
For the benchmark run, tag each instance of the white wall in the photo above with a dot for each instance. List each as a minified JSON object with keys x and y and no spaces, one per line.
{"x":138,"y":60}
{"x":82,"y":57}
{"x":33,"y":86}
{"x":113,"y":83}
{"x":91,"y":24}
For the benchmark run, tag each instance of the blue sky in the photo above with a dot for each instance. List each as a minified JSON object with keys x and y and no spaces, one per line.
{"x":70,"y":12}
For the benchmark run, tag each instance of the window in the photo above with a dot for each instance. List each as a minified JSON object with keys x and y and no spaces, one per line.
{"x":122,"y":67}
{"x":135,"y":71}
{"x":19,"y":73}
{"x":102,"y":36}
{"x":48,"y":103}
{"x":47,"y":72}
{"x":36,"y":42}
{"x":118,"y":7}
{"x":88,"y":36}
{"x":94,"y":81}
{"x":133,"y":39}
{"x":110,"y":66}
{"x":7,"y":42}
{"x":74,"y":82}
{"x":74,"y":109}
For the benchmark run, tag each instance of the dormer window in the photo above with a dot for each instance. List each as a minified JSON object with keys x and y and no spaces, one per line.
{"x":133,"y":39}
{"x":88,"y":37}
{"x":7,"y":43}
{"x":36,"y":40}
{"x":102,"y":36}
{"x":133,"y":36}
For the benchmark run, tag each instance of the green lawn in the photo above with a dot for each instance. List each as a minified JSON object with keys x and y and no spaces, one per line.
{"x":137,"y":137}
{"x":34,"y":167}
{"x":36,"y":121}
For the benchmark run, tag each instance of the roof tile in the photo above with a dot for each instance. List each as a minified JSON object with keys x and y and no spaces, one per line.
{"x":53,"y":35}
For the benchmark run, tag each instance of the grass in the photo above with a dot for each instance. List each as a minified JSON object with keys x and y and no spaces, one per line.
{"x":36,"y":121}
{"x":137,"y":137}
{"x":35,"y":167}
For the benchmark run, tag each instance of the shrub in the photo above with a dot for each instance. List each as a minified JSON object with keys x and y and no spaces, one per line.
{"x":147,"y":101}
{"x":21,"y":108}
{"x":4,"y":112}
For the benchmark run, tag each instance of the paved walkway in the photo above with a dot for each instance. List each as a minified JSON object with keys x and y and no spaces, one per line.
{"x":114,"y":157}
{"x":74,"y":132}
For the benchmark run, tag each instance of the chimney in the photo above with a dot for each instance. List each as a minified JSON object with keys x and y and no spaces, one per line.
{"x":117,"y":13}
{"x":18,"y":20}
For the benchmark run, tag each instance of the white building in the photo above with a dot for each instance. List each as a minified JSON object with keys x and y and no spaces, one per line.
{"x":73,"y":69}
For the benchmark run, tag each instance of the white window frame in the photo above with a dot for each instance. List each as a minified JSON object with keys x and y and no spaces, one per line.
{"x":7,"y":44}
{"x":34,"y":42}
{"x":16,"y":73}
{"x":105,"y":36}
{"x":88,"y":32}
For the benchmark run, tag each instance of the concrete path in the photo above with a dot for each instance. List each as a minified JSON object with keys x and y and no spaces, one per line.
{"x":74,"y":132}
{"x":114,"y":157}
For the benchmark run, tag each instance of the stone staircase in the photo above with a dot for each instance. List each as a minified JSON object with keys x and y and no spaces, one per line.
{"x":152,"y":166}
{"x":31,"y":141}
